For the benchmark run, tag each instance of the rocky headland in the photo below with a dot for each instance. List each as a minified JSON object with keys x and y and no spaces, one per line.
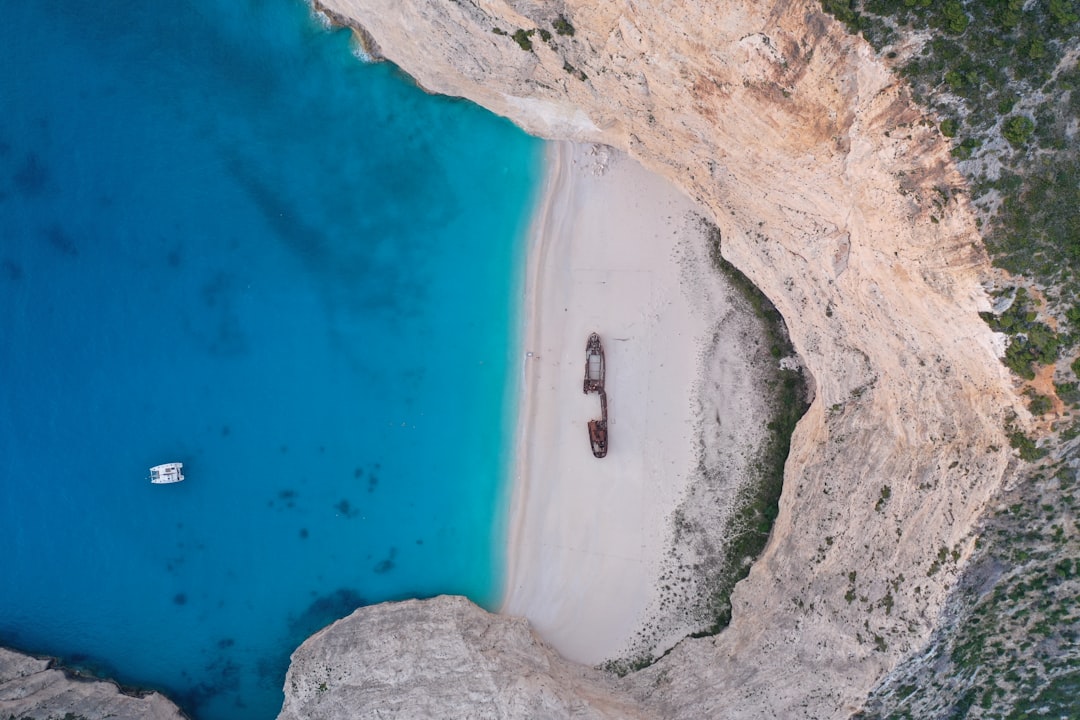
{"x":836,"y":196}
{"x":34,"y":688}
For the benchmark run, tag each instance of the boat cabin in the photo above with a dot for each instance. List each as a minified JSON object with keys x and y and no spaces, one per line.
{"x":167,"y":473}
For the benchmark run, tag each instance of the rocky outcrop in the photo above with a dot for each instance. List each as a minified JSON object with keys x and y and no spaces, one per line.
{"x":473,"y":664}
{"x":33,"y":688}
{"x":837,"y":197}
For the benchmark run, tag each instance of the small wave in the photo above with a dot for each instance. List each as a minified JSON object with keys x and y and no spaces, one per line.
{"x":324,"y":20}
{"x":360,"y":52}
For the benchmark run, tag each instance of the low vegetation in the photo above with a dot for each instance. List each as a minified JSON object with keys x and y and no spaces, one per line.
{"x":563,"y":26}
{"x":1010,"y":646}
{"x":523,"y":38}
{"x":1003,"y":77}
{"x":1004,"y":80}
{"x":759,"y":504}
{"x":1031,"y":343}
{"x":725,"y":522}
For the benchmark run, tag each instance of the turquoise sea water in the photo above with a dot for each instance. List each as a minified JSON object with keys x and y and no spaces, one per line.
{"x":225,"y":241}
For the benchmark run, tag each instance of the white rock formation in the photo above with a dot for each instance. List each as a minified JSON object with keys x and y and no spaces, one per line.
{"x":838,"y":199}
{"x":32,"y":688}
{"x":474,"y":664}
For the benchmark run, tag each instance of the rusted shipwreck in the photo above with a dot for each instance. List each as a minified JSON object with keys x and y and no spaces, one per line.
{"x":594,"y":382}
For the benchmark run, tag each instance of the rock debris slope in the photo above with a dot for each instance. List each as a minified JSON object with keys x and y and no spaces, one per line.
{"x":836,"y":196}
{"x":32,"y":689}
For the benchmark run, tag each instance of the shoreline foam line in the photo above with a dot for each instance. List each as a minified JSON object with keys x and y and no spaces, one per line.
{"x":557,"y":159}
{"x":617,"y":250}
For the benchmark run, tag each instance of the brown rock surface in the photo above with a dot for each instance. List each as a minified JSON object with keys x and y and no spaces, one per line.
{"x":837,"y":198}
{"x":31,"y":688}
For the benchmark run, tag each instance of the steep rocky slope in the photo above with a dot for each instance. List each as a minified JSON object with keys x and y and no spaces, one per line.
{"x":33,"y":689}
{"x":837,"y":198}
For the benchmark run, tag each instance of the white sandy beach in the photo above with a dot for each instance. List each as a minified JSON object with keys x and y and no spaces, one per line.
{"x":616,"y":250}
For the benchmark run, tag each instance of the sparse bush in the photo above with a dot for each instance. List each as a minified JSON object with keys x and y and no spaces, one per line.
{"x":1039,"y":404}
{"x":1029,"y":451}
{"x":563,"y":26}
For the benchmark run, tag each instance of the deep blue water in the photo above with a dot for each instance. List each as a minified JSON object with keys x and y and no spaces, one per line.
{"x":225,"y":241}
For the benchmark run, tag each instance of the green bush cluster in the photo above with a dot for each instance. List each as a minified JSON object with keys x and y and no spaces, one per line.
{"x":1031,"y":342}
{"x":1039,"y":404}
{"x":523,"y":38}
{"x":1029,"y":450}
{"x":563,"y":26}
{"x":1018,"y":129}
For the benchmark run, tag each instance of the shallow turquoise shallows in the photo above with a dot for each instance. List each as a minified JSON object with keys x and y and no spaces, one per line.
{"x":227,"y":242}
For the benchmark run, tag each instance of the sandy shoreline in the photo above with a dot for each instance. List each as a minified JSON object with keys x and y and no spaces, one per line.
{"x":616,"y":250}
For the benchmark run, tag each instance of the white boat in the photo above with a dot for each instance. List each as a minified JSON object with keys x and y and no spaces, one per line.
{"x":167,"y":473}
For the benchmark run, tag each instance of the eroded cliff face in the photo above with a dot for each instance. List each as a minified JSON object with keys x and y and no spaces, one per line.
{"x":837,"y":198}
{"x":32,"y":688}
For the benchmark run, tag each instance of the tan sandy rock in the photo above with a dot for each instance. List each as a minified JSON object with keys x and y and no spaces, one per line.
{"x":836,"y":196}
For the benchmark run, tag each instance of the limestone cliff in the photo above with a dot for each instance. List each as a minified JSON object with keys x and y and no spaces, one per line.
{"x":32,"y":688}
{"x":470,"y":664}
{"x":838,"y":199}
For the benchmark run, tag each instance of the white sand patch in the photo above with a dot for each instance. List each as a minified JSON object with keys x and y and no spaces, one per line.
{"x":620,"y":251}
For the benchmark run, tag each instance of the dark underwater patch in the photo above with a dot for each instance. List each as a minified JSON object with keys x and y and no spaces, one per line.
{"x":386,"y":564}
{"x":227,"y":675}
{"x":11,"y":270}
{"x":345,"y":508}
{"x":322,"y":611}
{"x":32,"y":179}
{"x":61,"y":241}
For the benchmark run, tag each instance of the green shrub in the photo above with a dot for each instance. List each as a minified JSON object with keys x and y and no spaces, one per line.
{"x":1029,"y":451}
{"x":1030,"y":342}
{"x":563,"y":26}
{"x":956,"y":20}
{"x":1018,"y":129}
{"x":949,"y":127}
{"x":1039,"y":404}
{"x":1063,"y":12}
{"x":521,"y":37}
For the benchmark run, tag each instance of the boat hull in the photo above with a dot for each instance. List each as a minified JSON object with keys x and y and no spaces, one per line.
{"x":594,"y":382}
{"x":598,"y":430}
{"x":167,"y":473}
